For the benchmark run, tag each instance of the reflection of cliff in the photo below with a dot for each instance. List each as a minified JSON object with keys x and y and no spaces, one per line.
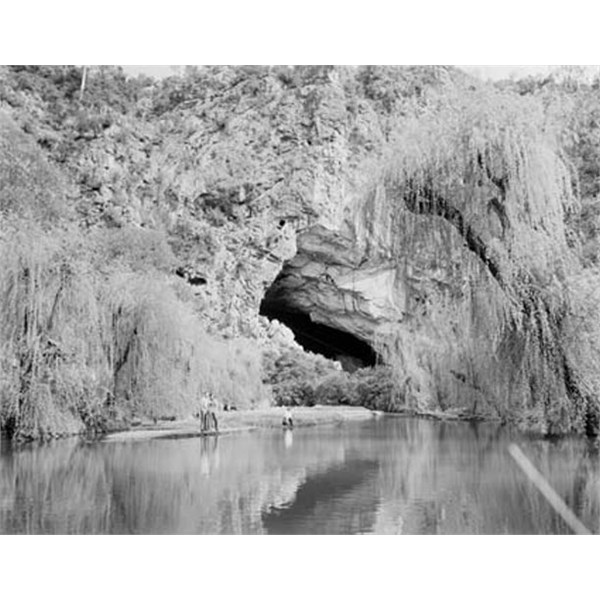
{"x":339,"y":500}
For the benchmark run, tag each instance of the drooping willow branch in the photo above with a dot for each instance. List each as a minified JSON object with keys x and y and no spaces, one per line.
{"x":424,"y":201}
{"x":501,"y":182}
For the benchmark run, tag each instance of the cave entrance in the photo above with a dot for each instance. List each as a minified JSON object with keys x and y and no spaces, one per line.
{"x":352,"y":352}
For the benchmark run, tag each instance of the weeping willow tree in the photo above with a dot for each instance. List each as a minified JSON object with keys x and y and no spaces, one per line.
{"x":83,"y":346}
{"x":161,"y":358}
{"x":475,"y":192}
{"x":52,"y":356}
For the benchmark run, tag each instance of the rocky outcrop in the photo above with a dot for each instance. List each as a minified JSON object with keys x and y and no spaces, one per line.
{"x":334,"y":282}
{"x":254,"y":174}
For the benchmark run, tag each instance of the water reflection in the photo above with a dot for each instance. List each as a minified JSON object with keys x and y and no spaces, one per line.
{"x":288,"y":438}
{"x":333,"y":501}
{"x":387,"y":476}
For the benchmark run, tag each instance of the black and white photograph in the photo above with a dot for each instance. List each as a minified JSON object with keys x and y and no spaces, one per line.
{"x":299,"y":299}
{"x":293,"y":302}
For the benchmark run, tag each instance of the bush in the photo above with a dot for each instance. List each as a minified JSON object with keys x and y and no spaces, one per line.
{"x":301,"y":378}
{"x":29,"y":186}
{"x":375,"y":389}
{"x":134,"y":248}
{"x":371,"y":387}
{"x":295,"y":375}
{"x":337,"y":388}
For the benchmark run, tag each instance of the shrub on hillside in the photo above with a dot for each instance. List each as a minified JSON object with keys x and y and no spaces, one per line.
{"x":135,"y":248}
{"x":29,"y":186}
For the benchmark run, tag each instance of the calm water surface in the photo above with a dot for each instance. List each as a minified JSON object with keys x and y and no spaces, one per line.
{"x":389,"y":476}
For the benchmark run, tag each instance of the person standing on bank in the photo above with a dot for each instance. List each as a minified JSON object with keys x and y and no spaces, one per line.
{"x":212,"y":413}
{"x":203,"y":413}
{"x":287,"y":418}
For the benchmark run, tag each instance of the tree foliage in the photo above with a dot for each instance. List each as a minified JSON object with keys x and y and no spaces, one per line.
{"x":295,"y":375}
{"x":482,"y":178}
{"x":81,"y":348}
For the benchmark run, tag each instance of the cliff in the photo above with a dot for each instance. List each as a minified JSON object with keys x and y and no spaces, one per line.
{"x":405,"y":215}
{"x":254,"y":173}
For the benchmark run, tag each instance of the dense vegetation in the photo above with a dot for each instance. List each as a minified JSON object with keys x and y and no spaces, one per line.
{"x":302,"y":378}
{"x":140,"y":222}
{"x":95,"y":326}
{"x":486,"y":179}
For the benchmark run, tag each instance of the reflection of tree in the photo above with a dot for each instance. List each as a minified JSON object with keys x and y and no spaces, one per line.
{"x":58,"y":488}
{"x":338,"y":500}
{"x":457,"y":478}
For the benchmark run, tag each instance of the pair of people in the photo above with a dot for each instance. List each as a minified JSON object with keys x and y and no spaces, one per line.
{"x":288,"y":421}
{"x":208,"y":414}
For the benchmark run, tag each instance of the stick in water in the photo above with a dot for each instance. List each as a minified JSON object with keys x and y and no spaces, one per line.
{"x":547,"y":491}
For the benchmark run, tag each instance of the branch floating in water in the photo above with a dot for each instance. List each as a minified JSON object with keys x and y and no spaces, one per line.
{"x":557,"y":503}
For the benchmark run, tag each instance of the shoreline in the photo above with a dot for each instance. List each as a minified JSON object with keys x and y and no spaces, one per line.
{"x":245,"y":420}
{"x":446,"y":415}
{"x":239,"y":421}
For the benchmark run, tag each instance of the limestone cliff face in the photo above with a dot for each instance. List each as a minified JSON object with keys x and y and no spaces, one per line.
{"x":332,"y":279}
{"x":255,"y":175}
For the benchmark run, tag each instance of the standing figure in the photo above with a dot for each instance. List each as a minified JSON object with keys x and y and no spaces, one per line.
{"x":287,"y":418}
{"x":203,"y":412}
{"x":212,"y":413}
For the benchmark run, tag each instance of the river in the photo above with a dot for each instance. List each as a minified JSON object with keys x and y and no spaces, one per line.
{"x":386,"y":476}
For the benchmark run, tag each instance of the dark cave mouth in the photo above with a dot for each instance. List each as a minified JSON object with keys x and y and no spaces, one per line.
{"x":352,"y":352}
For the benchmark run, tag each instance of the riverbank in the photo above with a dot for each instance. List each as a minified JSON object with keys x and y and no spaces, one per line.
{"x":246,"y":420}
{"x":451,"y":414}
